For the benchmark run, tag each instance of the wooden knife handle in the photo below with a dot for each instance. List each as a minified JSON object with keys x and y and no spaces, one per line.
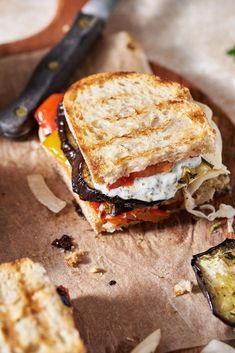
{"x":50,"y":75}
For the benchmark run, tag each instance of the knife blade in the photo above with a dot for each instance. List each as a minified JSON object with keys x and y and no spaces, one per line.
{"x":53,"y":71}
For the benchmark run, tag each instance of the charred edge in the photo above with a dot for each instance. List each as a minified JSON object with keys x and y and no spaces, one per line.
{"x":79,"y":185}
{"x":78,"y":209}
{"x":226,"y":243}
{"x":229,"y":243}
{"x":64,"y":295}
{"x":65,"y":242}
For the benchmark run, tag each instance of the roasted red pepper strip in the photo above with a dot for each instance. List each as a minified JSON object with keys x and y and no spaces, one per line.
{"x":149,"y":171}
{"x":124,"y":181}
{"x":139,"y":214}
{"x":146,"y":214}
{"x":47,"y":111}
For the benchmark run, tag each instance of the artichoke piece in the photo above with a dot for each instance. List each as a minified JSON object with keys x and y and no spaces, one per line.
{"x":215,"y":273}
{"x":189,"y":174}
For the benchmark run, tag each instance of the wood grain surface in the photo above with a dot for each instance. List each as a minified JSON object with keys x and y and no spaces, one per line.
{"x":228,"y":135}
{"x":65,"y":13}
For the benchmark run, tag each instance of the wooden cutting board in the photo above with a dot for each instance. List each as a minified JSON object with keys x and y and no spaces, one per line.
{"x":65,"y":13}
{"x":228,"y":135}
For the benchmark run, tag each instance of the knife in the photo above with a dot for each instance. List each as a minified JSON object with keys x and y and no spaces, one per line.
{"x":54,"y":69}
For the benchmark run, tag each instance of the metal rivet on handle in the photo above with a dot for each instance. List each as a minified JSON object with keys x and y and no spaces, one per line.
{"x":84,"y":23}
{"x":21,"y":112}
{"x":53,"y":65}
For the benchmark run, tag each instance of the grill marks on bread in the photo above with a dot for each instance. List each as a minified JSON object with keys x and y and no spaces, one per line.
{"x":124,"y":122}
{"x":33,"y":318}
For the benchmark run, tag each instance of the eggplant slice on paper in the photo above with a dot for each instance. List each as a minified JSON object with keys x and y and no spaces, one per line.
{"x":215,"y":273}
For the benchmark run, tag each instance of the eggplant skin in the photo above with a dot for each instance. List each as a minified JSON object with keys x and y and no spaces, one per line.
{"x":215,"y":274}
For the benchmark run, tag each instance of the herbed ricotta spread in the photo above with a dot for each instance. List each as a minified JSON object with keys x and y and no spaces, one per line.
{"x":161,"y":186}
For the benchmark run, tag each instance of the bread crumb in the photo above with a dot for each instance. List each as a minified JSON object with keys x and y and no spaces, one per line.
{"x":131,"y":45}
{"x":76,"y":257}
{"x":65,"y":28}
{"x":182,"y":287}
{"x":96,"y":269}
{"x":140,"y":241}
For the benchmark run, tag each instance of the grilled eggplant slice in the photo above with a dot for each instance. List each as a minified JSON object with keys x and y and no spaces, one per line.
{"x":215,"y":273}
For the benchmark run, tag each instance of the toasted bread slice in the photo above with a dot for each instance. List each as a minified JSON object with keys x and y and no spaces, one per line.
{"x":33,"y":317}
{"x":125,"y":121}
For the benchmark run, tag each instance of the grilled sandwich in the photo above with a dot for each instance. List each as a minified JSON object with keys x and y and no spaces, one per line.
{"x":136,"y":147}
{"x":33,"y":317}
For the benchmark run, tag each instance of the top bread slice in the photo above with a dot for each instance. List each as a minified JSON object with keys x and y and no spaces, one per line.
{"x":126,"y":121}
{"x":33,"y":317}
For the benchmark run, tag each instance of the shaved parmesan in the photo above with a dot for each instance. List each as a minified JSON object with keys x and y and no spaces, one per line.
{"x":195,"y":185}
{"x":213,"y":158}
{"x":43,"y":194}
{"x":216,"y":157}
{"x":149,"y":344}
{"x":218,"y":347}
{"x":224,"y":211}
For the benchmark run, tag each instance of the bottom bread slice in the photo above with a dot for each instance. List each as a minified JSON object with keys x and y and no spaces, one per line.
{"x":33,"y":317}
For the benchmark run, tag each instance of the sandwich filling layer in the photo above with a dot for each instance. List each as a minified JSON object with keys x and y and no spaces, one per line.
{"x":161,"y":186}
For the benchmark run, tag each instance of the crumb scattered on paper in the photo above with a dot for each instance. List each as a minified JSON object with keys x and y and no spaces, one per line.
{"x":76,"y":257}
{"x":97,"y":269}
{"x":183,"y":287}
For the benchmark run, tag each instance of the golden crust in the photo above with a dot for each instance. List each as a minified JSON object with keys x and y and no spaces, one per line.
{"x":125,"y":121}
{"x":29,"y":304}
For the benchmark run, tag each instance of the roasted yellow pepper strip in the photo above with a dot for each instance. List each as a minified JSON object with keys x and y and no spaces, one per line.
{"x":52,"y":144}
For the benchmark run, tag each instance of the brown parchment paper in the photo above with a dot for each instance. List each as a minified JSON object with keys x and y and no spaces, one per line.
{"x":145,"y":261}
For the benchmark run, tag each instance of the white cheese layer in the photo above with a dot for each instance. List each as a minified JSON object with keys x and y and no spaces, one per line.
{"x":161,"y":186}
